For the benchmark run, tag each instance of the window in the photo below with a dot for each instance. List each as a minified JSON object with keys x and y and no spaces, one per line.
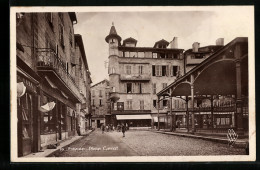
{"x":153,"y":70}
{"x":141,"y":87}
{"x":128,"y":87}
{"x":165,"y":103}
{"x":61,"y":38}
{"x":162,"y":55}
{"x":164,"y":85}
{"x":154,"y":88}
{"x":140,"y":69}
{"x":113,"y":70}
{"x":175,"y":56}
{"x":129,"y":104}
{"x":163,"y":70}
{"x":158,"y":70}
{"x":154,"y":55}
{"x":100,"y":102}
{"x":128,"y":70}
{"x":174,"y":70}
{"x":141,"y":104}
{"x":100,"y":93}
{"x":25,"y":113}
{"x":93,"y":102}
{"x":49,"y":118}
{"x":154,"y":103}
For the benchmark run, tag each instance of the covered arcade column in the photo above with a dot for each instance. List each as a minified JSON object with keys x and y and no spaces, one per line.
{"x":239,"y":114}
{"x":192,"y":104}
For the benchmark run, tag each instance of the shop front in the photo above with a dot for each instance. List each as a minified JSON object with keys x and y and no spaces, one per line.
{"x":134,"y":121}
{"x":27,"y":113}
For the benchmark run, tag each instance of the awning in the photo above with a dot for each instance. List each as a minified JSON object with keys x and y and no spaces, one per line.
{"x":132,"y":117}
{"x":20,"y":89}
{"x":47,"y":107}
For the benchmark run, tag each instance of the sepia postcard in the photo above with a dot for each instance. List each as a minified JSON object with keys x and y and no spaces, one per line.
{"x":132,"y":84}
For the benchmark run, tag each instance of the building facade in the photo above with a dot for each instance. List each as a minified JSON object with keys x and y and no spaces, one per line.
{"x":136,"y":74}
{"x":99,"y":103}
{"x":197,"y":54}
{"x":213,"y":95}
{"x":50,"y":94}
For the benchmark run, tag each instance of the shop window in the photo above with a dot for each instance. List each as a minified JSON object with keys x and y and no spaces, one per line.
{"x":26,"y":111}
{"x":49,"y":118}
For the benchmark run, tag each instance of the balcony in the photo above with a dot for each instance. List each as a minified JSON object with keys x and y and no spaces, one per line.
{"x":49,"y":64}
{"x":135,"y":77}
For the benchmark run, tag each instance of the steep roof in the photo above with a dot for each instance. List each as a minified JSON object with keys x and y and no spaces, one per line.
{"x":105,"y":80}
{"x":113,"y":34}
{"x":130,"y":39}
{"x":162,"y":41}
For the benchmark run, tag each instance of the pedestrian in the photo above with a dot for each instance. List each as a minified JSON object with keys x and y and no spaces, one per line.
{"x":123,"y":130}
{"x":103,"y":128}
{"x":126,"y":126}
{"x":113,"y":128}
{"x":107,"y":128}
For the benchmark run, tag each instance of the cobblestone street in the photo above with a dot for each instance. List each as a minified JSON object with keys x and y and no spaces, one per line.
{"x":144,"y":143}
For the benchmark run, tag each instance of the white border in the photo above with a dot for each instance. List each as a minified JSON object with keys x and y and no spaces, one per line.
{"x":13,"y":94}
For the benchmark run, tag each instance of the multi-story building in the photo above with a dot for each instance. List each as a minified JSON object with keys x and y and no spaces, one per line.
{"x":99,"y":103}
{"x":197,"y":54}
{"x":52,"y":80}
{"x":136,"y":74}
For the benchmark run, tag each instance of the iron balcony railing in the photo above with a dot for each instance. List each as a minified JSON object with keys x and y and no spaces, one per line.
{"x":47,"y":58}
{"x":135,"y":76}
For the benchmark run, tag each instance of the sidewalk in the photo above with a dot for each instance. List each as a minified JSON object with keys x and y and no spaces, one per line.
{"x":64,"y":143}
{"x":240,"y":143}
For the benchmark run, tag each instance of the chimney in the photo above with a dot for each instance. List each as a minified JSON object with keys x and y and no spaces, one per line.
{"x":220,"y":41}
{"x":195,"y":47}
{"x":174,"y":42}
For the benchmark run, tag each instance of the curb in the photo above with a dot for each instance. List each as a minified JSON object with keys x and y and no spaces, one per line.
{"x":218,"y":140}
{"x":58,"y":150}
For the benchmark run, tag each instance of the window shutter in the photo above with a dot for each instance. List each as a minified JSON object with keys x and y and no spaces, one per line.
{"x":142,"y":87}
{"x":133,"y":87}
{"x":156,"y":70}
{"x":125,"y":87}
{"x":160,"y":70}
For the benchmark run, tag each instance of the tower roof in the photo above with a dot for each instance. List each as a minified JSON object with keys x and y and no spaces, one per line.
{"x":113,"y":34}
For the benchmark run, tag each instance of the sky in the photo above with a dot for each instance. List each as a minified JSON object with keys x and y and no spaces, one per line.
{"x":148,"y":27}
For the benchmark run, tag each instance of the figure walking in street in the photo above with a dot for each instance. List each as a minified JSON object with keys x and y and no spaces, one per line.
{"x":103,"y":128}
{"x":123,"y":130}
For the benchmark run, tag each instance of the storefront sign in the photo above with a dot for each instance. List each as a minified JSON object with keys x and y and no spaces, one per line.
{"x":29,"y":85}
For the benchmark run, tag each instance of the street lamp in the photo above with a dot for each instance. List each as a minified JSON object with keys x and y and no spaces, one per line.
{"x":158,"y":113}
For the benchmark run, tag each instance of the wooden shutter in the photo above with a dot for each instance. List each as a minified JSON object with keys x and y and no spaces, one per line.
{"x":160,"y":70}
{"x":133,"y":87}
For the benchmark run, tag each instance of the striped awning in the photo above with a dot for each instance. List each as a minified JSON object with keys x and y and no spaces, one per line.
{"x":133,"y":117}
